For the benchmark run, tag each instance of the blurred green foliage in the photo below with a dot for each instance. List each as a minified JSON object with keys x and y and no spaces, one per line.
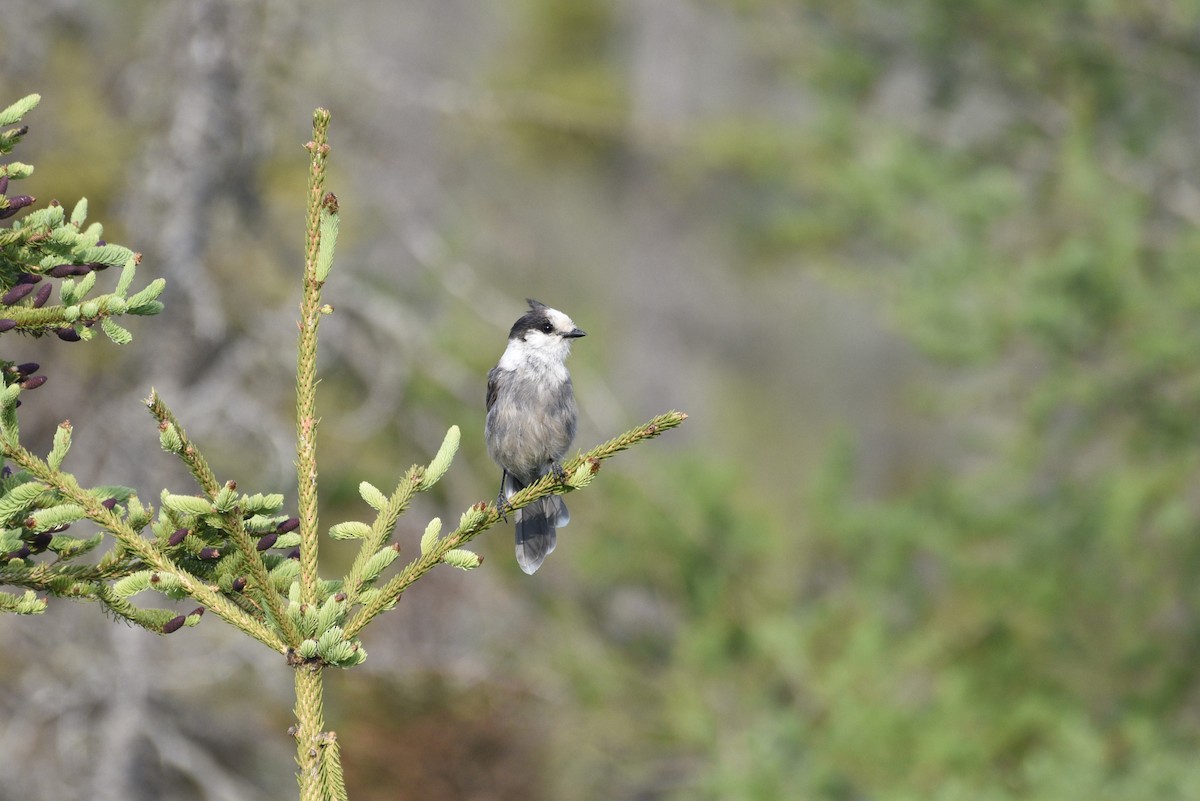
{"x":1021,"y":621}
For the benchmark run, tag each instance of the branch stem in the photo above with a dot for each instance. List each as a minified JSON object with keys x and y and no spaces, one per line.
{"x":306,"y":364}
{"x":309,"y":732}
{"x":310,"y":717}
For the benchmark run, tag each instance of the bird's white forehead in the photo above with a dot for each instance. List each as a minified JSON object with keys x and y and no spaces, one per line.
{"x":560,"y":321}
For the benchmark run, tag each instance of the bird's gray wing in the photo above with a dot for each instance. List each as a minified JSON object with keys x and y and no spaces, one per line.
{"x":491,"y":388}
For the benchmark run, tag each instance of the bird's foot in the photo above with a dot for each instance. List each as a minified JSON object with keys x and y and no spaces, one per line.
{"x":560,"y":475}
{"x":503,"y":506}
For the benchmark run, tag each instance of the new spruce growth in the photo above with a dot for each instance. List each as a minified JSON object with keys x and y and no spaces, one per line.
{"x":40,"y":249}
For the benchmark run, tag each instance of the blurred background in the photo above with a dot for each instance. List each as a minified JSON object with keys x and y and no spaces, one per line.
{"x":924,"y":273}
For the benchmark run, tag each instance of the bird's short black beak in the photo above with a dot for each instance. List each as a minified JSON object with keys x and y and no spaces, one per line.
{"x":574,"y":333}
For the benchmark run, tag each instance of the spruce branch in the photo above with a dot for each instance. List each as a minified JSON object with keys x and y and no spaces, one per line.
{"x":148,"y":552}
{"x":311,"y":741}
{"x":381,"y":530}
{"x":62,"y":578}
{"x":306,"y":359}
{"x":262,"y":587}
{"x":175,"y":440}
{"x":27,"y":604}
{"x":331,"y":768}
{"x":482,"y":516}
{"x":310,"y":715}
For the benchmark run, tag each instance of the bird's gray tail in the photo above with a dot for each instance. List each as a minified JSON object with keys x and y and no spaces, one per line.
{"x":536,"y":536}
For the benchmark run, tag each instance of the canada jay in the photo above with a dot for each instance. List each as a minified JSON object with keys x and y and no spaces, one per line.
{"x":531,"y":418}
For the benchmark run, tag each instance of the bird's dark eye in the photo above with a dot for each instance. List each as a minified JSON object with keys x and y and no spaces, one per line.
{"x":547,"y":328}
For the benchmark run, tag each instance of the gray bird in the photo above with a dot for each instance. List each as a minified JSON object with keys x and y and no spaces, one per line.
{"x":531,"y":417}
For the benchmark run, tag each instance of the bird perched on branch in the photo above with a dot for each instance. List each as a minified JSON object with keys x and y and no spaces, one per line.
{"x":531,"y":418}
